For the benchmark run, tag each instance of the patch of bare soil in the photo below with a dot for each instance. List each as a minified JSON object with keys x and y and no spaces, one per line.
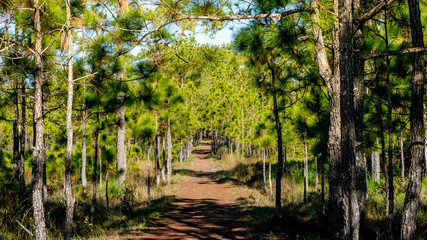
{"x":203,"y":208}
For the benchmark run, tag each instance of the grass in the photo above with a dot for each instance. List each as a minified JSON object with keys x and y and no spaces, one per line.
{"x":304,"y":220}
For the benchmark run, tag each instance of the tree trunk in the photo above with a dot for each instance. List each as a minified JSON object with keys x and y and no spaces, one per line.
{"x":164,"y":162}
{"x":16,"y":139}
{"x":157,"y":157}
{"x":316,"y":170}
{"x":305,"y":168}
{"x":148,"y":177}
{"x":121,"y":137}
{"x":359,"y":76}
{"x":23,"y":145}
{"x":106,"y":188}
{"x":279,"y":142}
{"x":169,"y":152}
{"x":389,"y":168}
{"x":375,"y":164}
{"x":411,"y":205}
{"x":269,"y":178}
{"x":402,"y":159}
{"x":94,"y":175}
{"x":67,"y":182}
{"x":84,"y":157}
{"x":263,"y":170}
{"x":39,"y":148}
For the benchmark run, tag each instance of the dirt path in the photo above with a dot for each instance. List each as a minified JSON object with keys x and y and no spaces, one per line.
{"x":203,"y":209}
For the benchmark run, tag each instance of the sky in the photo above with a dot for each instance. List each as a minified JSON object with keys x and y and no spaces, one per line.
{"x":221,"y":37}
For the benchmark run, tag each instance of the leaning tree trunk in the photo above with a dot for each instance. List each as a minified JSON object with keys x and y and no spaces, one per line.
{"x":67,"y":182}
{"x":411,"y":205}
{"x":39,"y":148}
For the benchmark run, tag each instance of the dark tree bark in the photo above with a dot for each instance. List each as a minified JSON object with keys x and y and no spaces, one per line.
{"x":402,"y":159}
{"x":94,"y":174}
{"x":411,"y":205}
{"x":23,"y":145}
{"x":157,"y":153}
{"x":16,"y":138}
{"x":389,"y":167}
{"x":279,"y":142}
{"x":305,"y":168}
{"x":359,"y":75}
{"x":344,"y":193}
{"x":67,"y":182}
{"x":39,"y":148}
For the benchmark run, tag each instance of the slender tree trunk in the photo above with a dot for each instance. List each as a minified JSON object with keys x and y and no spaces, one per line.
{"x":39,"y":148}
{"x":67,"y":182}
{"x":359,"y":77}
{"x":94,"y":175}
{"x":121,"y":136}
{"x":106,"y":188}
{"x":269,"y":178}
{"x":157,"y":158}
{"x":389,"y":184}
{"x":169,"y":152}
{"x":164,"y":162}
{"x":305,"y":168}
{"x":23,"y":145}
{"x":402,"y":159}
{"x":285,"y":165}
{"x":411,"y":205}
{"x":279,"y":143}
{"x":84,"y":157}
{"x":16,"y":139}
{"x":148,"y":177}
{"x":375,"y":162}
{"x":316,"y":172}
{"x":263,"y":170}
{"x":100,"y":166}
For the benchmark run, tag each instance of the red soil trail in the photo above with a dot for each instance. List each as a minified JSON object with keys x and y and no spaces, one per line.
{"x":203,"y":208}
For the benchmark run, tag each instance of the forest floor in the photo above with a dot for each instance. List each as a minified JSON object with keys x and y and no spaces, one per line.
{"x":203,"y":206}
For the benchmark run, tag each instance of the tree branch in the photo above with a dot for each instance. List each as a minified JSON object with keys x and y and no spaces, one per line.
{"x":394,"y":53}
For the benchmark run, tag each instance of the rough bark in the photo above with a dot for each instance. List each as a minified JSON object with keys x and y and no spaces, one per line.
{"x":279,"y":142}
{"x":23,"y":145}
{"x":16,"y":139}
{"x":39,"y":148}
{"x":121,"y":135}
{"x":359,"y":75}
{"x":389,"y":167}
{"x":94,"y":174}
{"x":67,"y":181}
{"x":411,"y":205}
